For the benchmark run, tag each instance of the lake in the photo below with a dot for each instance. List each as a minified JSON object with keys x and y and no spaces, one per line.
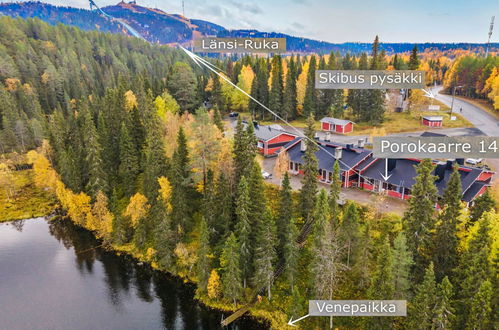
{"x":52,"y":276}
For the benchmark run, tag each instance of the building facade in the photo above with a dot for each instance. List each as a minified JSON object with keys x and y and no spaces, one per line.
{"x":358,"y":168}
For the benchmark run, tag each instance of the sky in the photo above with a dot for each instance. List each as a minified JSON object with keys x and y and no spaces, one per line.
{"x":341,"y":20}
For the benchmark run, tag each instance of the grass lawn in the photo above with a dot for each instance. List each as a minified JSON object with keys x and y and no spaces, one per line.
{"x":409,"y":122}
{"x":28,"y":201}
{"x":394,"y":122}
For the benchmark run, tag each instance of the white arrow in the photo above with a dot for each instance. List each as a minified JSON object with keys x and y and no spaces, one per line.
{"x":428,"y":93}
{"x":385,"y":176}
{"x":292,"y":323}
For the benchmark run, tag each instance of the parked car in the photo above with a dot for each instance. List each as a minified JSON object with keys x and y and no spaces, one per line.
{"x":266,"y":175}
{"x":234,"y":114}
{"x":474,"y":161}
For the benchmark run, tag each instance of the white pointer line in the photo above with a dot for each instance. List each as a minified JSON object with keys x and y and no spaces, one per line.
{"x":292,"y":323}
{"x":198,"y":60}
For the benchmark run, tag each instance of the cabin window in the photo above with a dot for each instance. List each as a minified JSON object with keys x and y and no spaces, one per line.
{"x":260,"y":144}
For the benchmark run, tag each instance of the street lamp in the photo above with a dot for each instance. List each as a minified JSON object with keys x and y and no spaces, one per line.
{"x":453,"y":96}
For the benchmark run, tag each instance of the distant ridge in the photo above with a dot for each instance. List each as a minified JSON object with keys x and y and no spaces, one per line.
{"x":160,"y":27}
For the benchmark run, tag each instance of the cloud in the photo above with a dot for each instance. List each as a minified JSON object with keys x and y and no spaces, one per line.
{"x":252,"y":8}
{"x":298,"y":25}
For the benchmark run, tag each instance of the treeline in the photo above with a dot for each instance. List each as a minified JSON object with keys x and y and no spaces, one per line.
{"x":287,"y":85}
{"x":475,"y":77}
{"x":45,"y":68}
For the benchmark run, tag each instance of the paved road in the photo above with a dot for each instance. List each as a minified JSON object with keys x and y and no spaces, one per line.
{"x":481,"y":119}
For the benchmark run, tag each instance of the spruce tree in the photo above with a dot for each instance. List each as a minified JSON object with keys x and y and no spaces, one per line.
{"x":289,"y":98}
{"x":264,"y":253}
{"x":209,"y":206}
{"x":155,"y":159}
{"x":244,"y":150}
{"x":231,"y":271}
{"x":217,"y":119}
{"x":474,"y":267}
{"x":358,"y":99}
{"x":375,"y":61}
{"x":308,"y":190}
{"x":203,"y":264}
{"x":257,"y":194}
{"x":419,"y":219}
{"x":97,"y":180}
{"x":414,"y":59}
{"x":180,"y":179}
{"x":376,"y":97}
{"x":382,"y":285}
{"x":285,"y":213}
{"x":421,"y":308}
{"x":216,"y":92}
{"x":277,"y":86}
{"x":481,"y":317}
{"x":325,"y":266}
{"x":222,"y":211}
{"x":260,"y":89}
{"x":310,"y":100}
{"x":129,"y":163}
{"x":164,"y":235}
{"x":444,"y":312}
{"x":482,"y":204}
{"x":445,"y":250}
{"x":350,"y":233}
{"x":243,"y":228}
{"x":287,"y":231}
{"x":402,"y":262}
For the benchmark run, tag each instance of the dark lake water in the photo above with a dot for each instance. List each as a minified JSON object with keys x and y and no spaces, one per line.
{"x":52,"y":278}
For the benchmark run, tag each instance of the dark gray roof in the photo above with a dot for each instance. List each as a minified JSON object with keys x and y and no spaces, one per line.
{"x":404,"y":173}
{"x":470,"y":194}
{"x":325,"y":155}
{"x":266,"y":132}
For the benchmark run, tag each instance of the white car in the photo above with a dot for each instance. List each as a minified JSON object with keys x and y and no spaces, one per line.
{"x":266,"y":175}
{"x":474,"y":161}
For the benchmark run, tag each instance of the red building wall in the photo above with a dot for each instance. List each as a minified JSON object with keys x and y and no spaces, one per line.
{"x":432,"y":123}
{"x":281,"y":138}
{"x":484,"y":176}
{"x":325,"y":126}
{"x":266,"y":151}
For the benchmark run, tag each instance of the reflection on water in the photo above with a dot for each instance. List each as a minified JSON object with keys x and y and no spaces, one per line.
{"x":72,"y":283}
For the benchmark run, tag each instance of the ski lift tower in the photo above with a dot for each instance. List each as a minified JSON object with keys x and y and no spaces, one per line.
{"x":491,"y":29}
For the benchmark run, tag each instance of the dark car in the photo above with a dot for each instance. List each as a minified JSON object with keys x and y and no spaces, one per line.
{"x":234,"y":114}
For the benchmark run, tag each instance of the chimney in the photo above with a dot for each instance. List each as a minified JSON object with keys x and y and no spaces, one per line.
{"x":460,"y":161}
{"x":349,"y":146}
{"x":316,"y":136}
{"x":328,"y":136}
{"x":361,"y":143}
{"x":338,"y":152}
{"x":392,"y":163}
{"x":450,"y":163}
{"x":255,"y":123}
{"x":440,"y":170}
{"x":303,"y":146}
